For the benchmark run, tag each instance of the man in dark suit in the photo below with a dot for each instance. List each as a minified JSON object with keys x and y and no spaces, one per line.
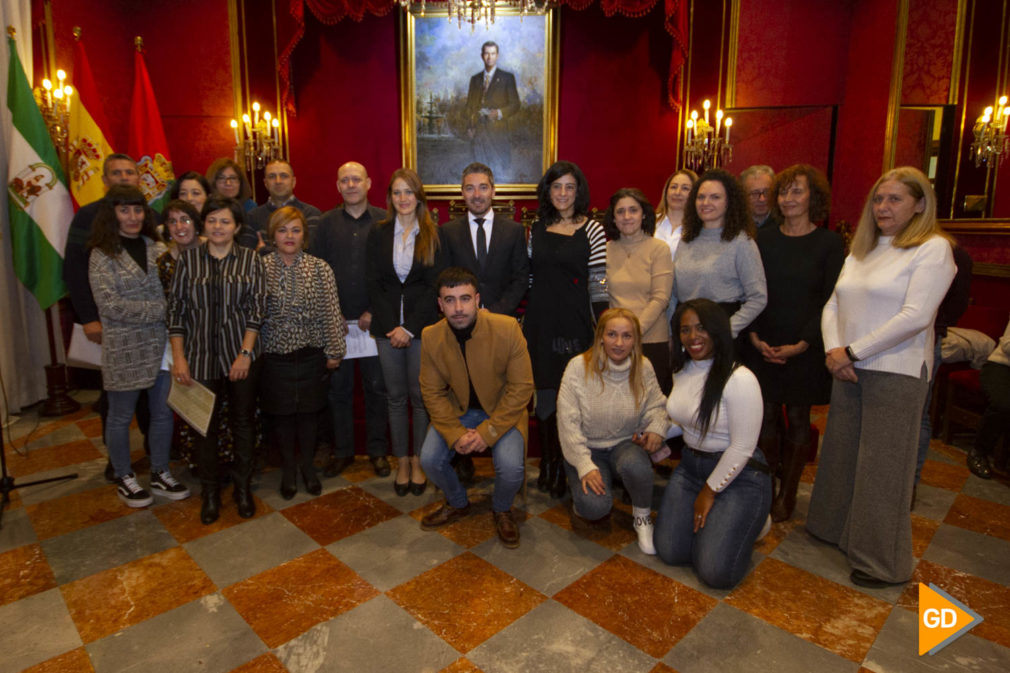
{"x":489,"y":244}
{"x":491,"y":100}
{"x":493,"y":247}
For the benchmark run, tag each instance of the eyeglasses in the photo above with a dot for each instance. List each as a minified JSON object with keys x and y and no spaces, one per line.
{"x":226,"y":178}
{"x":179,"y":220}
{"x":759,"y":194}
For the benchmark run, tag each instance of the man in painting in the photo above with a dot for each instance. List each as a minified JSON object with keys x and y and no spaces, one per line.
{"x":491,"y":100}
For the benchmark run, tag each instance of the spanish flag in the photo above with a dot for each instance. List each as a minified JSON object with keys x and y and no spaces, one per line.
{"x":148,"y":144}
{"x":88,"y":146}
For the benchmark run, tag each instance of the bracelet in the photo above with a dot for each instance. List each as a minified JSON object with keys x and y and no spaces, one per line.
{"x":849,"y":354}
{"x":246,"y":352}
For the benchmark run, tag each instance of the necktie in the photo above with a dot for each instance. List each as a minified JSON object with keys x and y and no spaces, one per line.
{"x":487,"y":81}
{"x":481,"y":243}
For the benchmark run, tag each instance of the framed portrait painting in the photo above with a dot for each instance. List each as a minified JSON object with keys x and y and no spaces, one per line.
{"x":479,"y":93}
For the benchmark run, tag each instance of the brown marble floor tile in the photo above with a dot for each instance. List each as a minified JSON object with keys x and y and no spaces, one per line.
{"x":477,"y":526}
{"x":660,"y":667}
{"x":91,"y":427}
{"x":51,"y":457}
{"x":62,"y":422}
{"x":287,"y":600}
{"x":981,"y":516}
{"x":461,"y":665}
{"x":944,"y":475}
{"x":24,"y":571}
{"x":74,"y":661}
{"x":265,"y":663}
{"x":466,"y":613}
{"x":778,"y":533}
{"x":182,"y":517}
{"x":336,"y":515}
{"x":989,"y":599}
{"x":647,"y":609}
{"x":114,"y":599}
{"x":837,"y":618}
{"x":922,"y":534}
{"x":76,"y":511}
{"x":615,"y":537}
{"x":952,"y":452}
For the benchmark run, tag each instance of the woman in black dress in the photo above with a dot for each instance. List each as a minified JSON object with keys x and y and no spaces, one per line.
{"x":568,"y":263}
{"x":801,"y":262}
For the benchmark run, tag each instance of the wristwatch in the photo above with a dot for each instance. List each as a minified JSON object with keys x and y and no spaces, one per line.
{"x":246,"y":352}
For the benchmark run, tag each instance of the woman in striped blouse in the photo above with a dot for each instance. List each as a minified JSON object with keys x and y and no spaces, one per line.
{"x":568,"y":265}
{"x":216,"y":308}
{"x":303,"y":340}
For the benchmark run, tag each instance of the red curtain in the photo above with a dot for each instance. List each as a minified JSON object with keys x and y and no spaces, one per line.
{"x":332,"y":11}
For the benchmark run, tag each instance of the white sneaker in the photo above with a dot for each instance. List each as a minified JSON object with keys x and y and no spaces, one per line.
{"x":131,"y":493}
{"x":644,"y":528}
{"x":764,"y":530}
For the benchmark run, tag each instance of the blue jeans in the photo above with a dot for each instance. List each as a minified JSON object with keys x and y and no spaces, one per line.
{"x":508,"y":464}
{"x":628,"y":460}
{"x":721,"y":551}
{"x":926,"y":429}
{"x":341,"y":399}
{"x":122,"y":404}
{"x":401,"y":370}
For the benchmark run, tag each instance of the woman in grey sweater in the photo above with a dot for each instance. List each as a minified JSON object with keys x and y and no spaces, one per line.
{"x":717,"y":257}
{"x":123,"y":274}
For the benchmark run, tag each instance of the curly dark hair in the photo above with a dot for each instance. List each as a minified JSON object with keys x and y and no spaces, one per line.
{"x":648,"y":216}
{"x":105,"y":229}
{"x":820,"y":190}
{"x":737,"y":218}
{"x":183,"y":207}
{"x":547,"y":214}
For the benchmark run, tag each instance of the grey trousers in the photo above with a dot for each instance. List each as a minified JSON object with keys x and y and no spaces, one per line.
{"x":863,"y":488}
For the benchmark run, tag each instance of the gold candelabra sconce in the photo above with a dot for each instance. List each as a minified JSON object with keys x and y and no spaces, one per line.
{"x":474,"y":12}
{"x":991,"y":144}
{"x":54,"y":102}
{"x":257,"y":139}
{"x":707,"y":146}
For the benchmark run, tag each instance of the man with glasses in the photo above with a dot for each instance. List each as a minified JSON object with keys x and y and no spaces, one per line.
{"x":757,"y":184}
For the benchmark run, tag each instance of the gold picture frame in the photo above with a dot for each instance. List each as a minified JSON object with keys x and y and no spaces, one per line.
{"x":449,"y":119}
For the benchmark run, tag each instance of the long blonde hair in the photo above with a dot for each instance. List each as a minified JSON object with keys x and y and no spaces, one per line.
{"x":922,"y":227}
{"x":597,"y":362}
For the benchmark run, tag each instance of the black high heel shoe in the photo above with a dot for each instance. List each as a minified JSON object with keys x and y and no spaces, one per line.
{"x":289,"y":486}
{"x":312,"y":485}
{"x":401,"y":489}
{"x":978,"y":463}
{"x":418,"y":489}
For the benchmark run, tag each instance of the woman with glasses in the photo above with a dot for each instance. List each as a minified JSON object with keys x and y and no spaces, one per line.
{"x":227,"y":180}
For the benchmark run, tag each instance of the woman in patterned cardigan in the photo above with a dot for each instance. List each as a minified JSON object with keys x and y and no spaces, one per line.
{"x":124,"y":279}
{"x":303,"y":340}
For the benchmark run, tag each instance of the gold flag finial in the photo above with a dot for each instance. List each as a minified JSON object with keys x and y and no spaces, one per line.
{"x":77,"y":32}
{"x":11,"y":30}
{"x":139,"y":43}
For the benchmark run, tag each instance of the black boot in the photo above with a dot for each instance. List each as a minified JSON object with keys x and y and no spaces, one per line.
{"x":211,"y":508}
{"x":794,"y":457}
{"x":978,"y":463}
{"x":242,"y":493}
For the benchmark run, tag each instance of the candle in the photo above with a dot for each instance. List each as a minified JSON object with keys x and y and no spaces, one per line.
{"x":729,"y":122}
{"x":277,"y":125}
{"x":246,"y":123}
{"x":256,"y":114}
{"x":690,"y":126}
{"x":234,"y":127}
{"x":706,"y":104}
{"x":718,"y":121}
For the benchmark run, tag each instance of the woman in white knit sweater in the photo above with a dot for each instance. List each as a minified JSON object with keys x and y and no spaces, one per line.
{"x":717,"y":500}
{"x":610,"y":419}
{"x":878,"y":335}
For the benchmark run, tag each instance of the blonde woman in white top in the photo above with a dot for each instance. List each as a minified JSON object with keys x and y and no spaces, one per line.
{"x":877,"y":329}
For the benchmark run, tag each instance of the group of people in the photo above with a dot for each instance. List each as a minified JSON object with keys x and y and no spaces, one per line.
{"x":722,"y":315}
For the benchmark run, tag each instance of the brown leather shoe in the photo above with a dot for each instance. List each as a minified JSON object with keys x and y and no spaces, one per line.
{"x":443,"y":516}
{"x":508,"y":532}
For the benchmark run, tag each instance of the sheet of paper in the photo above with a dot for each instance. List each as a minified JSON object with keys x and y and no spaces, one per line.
{"x":83,"y":353}
{"x":360,"y":344}
{"x":193,"y":403}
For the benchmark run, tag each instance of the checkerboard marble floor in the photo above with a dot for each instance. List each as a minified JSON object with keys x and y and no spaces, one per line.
{"x":347,"y":581}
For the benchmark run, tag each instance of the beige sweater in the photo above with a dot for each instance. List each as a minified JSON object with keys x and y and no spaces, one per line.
{"x":600,"y":414}
{"x":640,"y":279}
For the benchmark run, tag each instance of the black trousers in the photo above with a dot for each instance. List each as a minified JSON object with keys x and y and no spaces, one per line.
{"x":242,"y":400}
{"x":995,"y":381}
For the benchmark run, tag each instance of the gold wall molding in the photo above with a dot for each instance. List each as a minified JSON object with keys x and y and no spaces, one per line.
{"x":897,"y":76}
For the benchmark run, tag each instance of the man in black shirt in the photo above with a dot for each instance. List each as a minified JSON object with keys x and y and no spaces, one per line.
{"x":340,"y":239}
{"x":279,"y":178}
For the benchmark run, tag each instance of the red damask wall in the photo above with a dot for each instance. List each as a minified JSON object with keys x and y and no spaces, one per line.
{"x":929,"y":47}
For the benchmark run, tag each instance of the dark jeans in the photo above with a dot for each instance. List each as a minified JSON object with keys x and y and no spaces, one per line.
{"x":342,"y":406}
{"x":995,"y":381}
{"x":242,"y":399}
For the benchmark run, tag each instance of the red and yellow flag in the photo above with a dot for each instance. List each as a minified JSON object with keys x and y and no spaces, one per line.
{"x":88,"y":146}
{"x":148,"y":144}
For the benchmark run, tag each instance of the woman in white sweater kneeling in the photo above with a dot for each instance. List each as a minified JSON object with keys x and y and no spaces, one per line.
{"x":610,"y":418}
{"x":878,"y":334}
{"x":718,"y":498}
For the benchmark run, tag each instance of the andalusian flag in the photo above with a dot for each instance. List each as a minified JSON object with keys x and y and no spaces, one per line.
{"x":39,"y":201}
{"x":88,"y":147}
{"x":147,"y":138}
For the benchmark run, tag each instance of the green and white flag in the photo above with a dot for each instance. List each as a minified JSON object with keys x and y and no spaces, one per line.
{"x":39,"y":201}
